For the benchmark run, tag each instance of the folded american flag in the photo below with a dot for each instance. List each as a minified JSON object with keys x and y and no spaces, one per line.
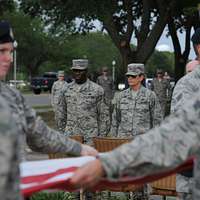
{"x":56,"y":173}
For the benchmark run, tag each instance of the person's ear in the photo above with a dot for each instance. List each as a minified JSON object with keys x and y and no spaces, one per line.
{"x":198,"y":49}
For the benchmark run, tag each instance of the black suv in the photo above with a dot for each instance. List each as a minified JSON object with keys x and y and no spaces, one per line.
{"x":44,"y":83}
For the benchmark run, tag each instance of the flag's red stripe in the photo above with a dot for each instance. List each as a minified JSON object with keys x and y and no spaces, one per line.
{"x":43,"y":177}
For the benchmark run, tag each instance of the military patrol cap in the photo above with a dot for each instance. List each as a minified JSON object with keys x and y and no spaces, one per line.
{"x":80,"y":64}
{"x":104,"y":69}
{"x":159,"y":71}
{"x":6,"y":34}
{"x":196,"y":36}
{"x":61,"y":73}
{"x":135,"y":69}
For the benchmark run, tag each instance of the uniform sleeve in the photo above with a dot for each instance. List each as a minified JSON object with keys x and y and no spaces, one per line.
{"x":103,"y":118}
{"x":41,"y":138}
{"x":98,"y":81}
{"x":162,"y":148}
{"x":182,"y":92}
{"x":116,"y":117}
{"x":9,"y":160}
{"x":169,"y":90}
{"x":52,"y":94}
{"x":152,"y":85}
{"x":155,"y":110}
{"x":62,"y":112}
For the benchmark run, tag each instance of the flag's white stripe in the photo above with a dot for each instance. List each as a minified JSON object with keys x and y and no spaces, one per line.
{"x":33,"y":168}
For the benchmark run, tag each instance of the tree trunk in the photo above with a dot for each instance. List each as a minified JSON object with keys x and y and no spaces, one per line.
{"x":33,"y":71}
{"x":180,"y":58}
{"x":180,"y":62}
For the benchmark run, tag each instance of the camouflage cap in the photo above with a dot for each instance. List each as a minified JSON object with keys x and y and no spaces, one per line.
{"x":61,"y":73}
{"x":104,"y":69}
{"x":135,"y":69}
{"x":196,"y":36}
{"x":6,"y":34}
{"x":159,"y":71}
{"x":80,"y":64}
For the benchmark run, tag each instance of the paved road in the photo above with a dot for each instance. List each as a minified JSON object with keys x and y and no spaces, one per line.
{"x":38,"y":100}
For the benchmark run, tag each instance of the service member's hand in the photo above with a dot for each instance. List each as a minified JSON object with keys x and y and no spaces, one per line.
{"x":88,"y":151}
{"x":88,"y":175}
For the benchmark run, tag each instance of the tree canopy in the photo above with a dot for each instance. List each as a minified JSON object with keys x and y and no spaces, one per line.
{"x":121,"y":19}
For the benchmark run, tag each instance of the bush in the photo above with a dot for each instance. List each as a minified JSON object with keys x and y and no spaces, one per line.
{"x":52,"y":196}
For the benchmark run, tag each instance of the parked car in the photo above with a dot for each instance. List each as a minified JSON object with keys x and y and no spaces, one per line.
{"x":148,"y":82}
{"x":43,"y":83}
{"x":19,"y":84}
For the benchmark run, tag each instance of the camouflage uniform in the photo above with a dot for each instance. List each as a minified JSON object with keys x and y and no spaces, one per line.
{"x":135,"y":115}
{"x":9,"y":156}
{"x":55,"y":92}
{"x":161,"y":148}
{"x":38,"y":135}
{"x":163,"y":90}
{"x":82,"y":110}
{"x":107,"y":85}
{"x":183,"y":91}
{"x":135,"y":112}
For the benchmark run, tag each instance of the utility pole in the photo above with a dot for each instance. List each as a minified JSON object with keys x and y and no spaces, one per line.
{"x":15,"y":62}
{"x":113,"y":70}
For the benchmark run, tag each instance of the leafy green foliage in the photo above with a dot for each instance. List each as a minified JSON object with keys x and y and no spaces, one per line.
{"x":160,"y":60}
{"x":121,"y":19}
{"x":42,"y":49}
{"x":52,"y":196}
{"x":6,"y":5}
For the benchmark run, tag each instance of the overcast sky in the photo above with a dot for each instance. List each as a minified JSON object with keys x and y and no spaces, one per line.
{"x":165,"y":44}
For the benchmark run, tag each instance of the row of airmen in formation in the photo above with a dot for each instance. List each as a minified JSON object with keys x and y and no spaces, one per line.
{"x":83,"y":107}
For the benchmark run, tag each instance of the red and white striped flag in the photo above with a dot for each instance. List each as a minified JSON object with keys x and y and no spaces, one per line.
{"x":56,"y":173}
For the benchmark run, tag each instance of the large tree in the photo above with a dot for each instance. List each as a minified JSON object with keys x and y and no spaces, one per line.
{"x":183,"y":20}
{"x":122,"y":20}
{"x":35,"y":46}
{"x":6,"y":5}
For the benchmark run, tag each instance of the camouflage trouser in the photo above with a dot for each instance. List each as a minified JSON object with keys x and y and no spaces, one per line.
{"x":141,"y":194}
{"x":184,"y":196}
{"x":56,"y":117}
{"x":184,"y":187}
{"x":110,"y":108}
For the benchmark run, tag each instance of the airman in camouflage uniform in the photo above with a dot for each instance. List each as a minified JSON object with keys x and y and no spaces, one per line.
{"x":106,"y":82}
{"x":38,"y":135}
{"x":162,"y":88}
{"x":162,"y":148}
{"x":136,"y":109}
{"x":55,"y":92}
{"x":82,"y":110}
{"x":9,"y":156}
{"x":185,"y":88}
